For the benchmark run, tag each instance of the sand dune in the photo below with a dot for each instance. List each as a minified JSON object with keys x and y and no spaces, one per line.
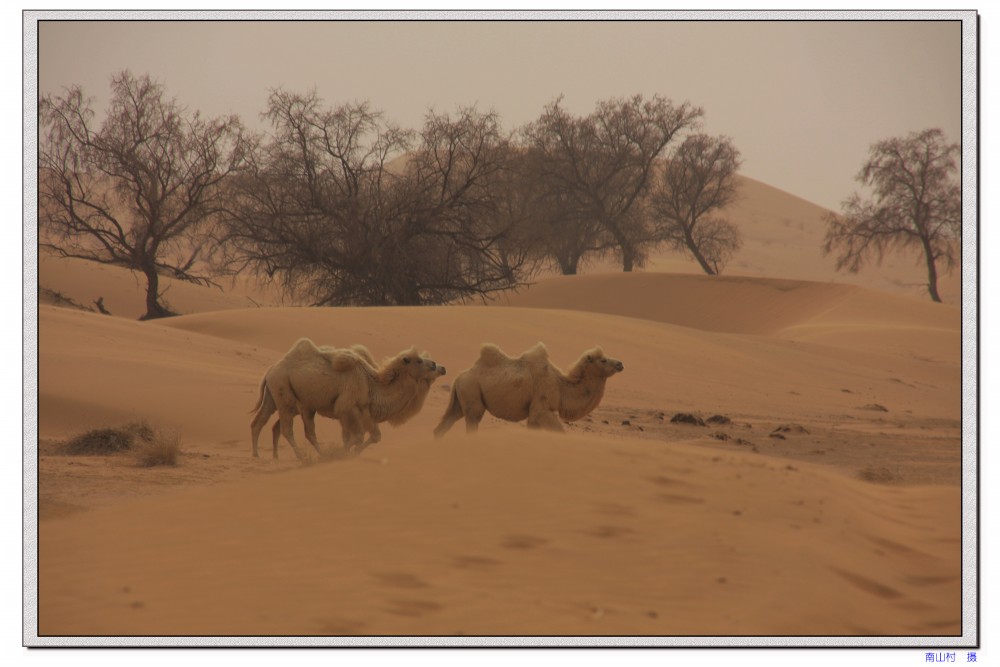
{"x":852,"y":318}
{"x":619,"y":529}
{"x":732,"y":304}
{"x":823,"y":501}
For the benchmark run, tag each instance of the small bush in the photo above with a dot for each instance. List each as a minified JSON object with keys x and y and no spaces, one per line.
{"x":687,"y":418}
{"x":110,"y":440}
{"x":718,"y":419}
{"x":99,"y":441}
{"x":149,"y":446}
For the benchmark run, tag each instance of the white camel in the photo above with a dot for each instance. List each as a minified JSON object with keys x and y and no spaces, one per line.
{"x":527,"y":387}
{"x":377,"y":412}
{"x":340,"y":384}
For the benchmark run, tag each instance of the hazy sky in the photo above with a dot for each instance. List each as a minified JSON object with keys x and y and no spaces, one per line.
{"x":801,"y":100}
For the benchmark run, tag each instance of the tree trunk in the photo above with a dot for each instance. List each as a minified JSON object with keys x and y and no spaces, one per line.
{"x":154,"y":309}
{"x":628,"y":250}
{"x":693,"y":247}
{"x":932,"y":276}
{"x":568,"y":265}
{"x":628,"y":259}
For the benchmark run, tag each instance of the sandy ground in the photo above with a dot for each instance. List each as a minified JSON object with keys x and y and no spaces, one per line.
{"x":816,"y":492}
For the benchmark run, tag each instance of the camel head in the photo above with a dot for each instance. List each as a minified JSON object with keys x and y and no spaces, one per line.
{"x":593,"y":362}
{"x":410,"y":363}
{"x":432,"y":370}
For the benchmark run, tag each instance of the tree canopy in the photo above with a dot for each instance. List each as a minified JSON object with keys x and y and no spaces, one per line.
{"x":916,"y":206}
{"x":599,"y":166}
{"x":348,"y":208}
{"x":698,"y":181}
{"x":137,"y":189}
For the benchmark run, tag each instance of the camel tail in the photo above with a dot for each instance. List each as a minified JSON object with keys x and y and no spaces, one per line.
{"x":451,"y":414}
{"x":260,"y":396}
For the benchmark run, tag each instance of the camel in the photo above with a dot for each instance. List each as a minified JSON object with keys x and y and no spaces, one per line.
{"x":341,"y":384}
{"x":307,"y":414}
{"x":432,"y":371}
{"x":527,"y":387}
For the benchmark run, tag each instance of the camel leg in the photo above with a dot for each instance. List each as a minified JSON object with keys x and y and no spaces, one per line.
{"x":286,"y":417}
{"x":255,"y":429}
{"x":544,"y":419}
{"x":352,"y":427}
{"x":371,"y":427}
{"x":267,"y":409}
{"x":309,"y":422}
{"x":445,"y":424}
{"x":275,"y":435}
{"x":283,"y":398}
{"x":474,"y":411}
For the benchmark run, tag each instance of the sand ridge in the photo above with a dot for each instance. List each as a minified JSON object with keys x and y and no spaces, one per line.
{"x":731,"y":304}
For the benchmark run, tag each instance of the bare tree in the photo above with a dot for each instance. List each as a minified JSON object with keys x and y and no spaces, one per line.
{"x":600,"y":165}
{"x":564,"y":237}
{"x":698,"y":180}
{"x":137,"y":189}
{"x":556,"y":232}
{"x":347,"y":208}
{"x":917,"y":205}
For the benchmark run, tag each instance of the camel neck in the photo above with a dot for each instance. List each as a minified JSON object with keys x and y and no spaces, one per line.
{"x":385,"y":401}
{"x":578,"y":399}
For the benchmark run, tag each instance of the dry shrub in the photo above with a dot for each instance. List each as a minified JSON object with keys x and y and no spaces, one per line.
{"x":110,"y":440}
{"x":149,"y":446}
{"x":880,"y":474}
{"x":162,"y":450}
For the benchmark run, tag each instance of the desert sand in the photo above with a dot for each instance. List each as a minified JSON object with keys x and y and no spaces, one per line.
{"x":825,"y":503}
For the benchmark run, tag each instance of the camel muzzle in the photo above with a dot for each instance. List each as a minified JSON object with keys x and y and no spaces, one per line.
{"x":619,"y":367}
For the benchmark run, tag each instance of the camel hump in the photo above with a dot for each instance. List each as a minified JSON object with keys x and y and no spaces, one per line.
{"x":538,"y":353}
{"x":491,"y":355}
{"x":342,"y":360}
{"x":363,"y":352}
{"x":302,"y":349}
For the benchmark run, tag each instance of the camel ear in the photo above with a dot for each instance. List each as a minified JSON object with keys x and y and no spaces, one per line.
{"x":406,"y":360}
{"x":590,"y":358}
